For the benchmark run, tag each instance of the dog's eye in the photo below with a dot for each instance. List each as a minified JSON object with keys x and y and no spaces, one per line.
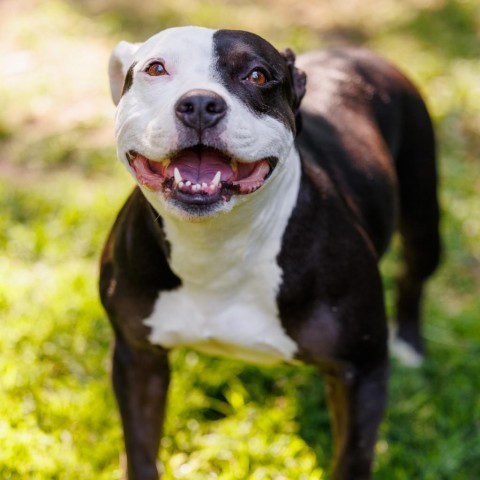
{"x":156,"y":69}
{"x":257,"y":77}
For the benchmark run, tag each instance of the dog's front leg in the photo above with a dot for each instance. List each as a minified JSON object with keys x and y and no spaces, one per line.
{"x":357,"y":400}
{"x":140,"y":380}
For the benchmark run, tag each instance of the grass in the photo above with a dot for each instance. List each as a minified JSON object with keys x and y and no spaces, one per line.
{"x":60,"y":187}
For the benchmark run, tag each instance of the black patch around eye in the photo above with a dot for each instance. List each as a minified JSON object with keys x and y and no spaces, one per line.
{"x":128,"y":79}
{"x":259,"y":77}
{"x":237,"y":54}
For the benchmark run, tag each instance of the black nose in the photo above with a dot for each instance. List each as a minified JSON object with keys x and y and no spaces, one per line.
{"x":200,"y":109}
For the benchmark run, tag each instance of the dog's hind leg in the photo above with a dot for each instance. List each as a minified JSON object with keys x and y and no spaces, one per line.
{"x":357,"y":402}
{"x":140,"y":380}
{"x":418,"y":225}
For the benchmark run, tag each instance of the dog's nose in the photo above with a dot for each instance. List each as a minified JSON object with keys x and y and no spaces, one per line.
{"x":200,"y":109}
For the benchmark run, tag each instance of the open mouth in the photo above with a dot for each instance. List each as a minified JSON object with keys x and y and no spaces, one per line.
{"x":201,"y":174}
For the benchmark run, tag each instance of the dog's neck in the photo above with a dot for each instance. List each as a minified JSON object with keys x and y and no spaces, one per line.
{"x":219,"y":251}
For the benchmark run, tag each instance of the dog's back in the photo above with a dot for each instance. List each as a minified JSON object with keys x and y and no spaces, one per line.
{"x":353,"y":98}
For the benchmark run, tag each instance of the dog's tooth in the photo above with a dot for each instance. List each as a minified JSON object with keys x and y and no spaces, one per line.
{"x":217,"y":178}
{"x":181,"y":185}
{"x":176,"y":175}
{"x":204,"y":186}
{"x":188,"y":183}
{"x":234,"y":166}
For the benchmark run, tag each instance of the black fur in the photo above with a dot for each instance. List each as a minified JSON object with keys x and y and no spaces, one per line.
{"x":238,"y":53}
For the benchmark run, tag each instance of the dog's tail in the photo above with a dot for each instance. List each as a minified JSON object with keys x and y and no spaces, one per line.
{"x":418,"y":223}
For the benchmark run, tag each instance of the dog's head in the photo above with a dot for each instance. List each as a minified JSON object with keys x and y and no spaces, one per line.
{"x":205,"y":117}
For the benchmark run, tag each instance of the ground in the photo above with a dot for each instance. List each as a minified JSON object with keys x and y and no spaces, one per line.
{"x":60,"y":187}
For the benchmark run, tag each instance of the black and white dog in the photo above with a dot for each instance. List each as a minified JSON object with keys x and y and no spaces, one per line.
{"x":256,"y":227}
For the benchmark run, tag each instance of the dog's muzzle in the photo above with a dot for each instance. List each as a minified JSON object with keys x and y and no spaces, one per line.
{"x":201,"y":174}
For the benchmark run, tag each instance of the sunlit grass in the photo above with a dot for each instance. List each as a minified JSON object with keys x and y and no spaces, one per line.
{"x":60,"y":187}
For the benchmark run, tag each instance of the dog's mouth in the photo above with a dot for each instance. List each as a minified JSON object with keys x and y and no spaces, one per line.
{"x":201,"y":174}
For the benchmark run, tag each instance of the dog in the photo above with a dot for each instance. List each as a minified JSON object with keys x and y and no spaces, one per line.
{"x":261,"y":210}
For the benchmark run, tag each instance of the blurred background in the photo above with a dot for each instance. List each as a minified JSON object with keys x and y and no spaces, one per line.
{"x":61,"y":186}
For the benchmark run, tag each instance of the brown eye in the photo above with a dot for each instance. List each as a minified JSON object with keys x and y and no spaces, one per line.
{"x":156,"y":69}
{"x":257,"y":77}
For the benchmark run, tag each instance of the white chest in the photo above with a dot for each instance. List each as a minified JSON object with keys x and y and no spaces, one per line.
{"x":227,"y":304}
{"x":241,"y":323}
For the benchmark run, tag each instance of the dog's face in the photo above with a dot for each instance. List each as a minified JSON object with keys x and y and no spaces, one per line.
{"x":205,"y":117}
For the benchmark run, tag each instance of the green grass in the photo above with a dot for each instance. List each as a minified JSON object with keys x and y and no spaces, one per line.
{"x":60,"y":187}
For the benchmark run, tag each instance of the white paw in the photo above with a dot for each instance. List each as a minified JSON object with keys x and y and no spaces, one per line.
{"x":405,"y":354}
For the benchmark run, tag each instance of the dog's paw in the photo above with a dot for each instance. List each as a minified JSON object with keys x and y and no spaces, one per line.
{"x":405,"y":353}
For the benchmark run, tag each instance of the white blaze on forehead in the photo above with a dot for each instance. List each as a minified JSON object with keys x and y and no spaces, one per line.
{"x":183,"y":47}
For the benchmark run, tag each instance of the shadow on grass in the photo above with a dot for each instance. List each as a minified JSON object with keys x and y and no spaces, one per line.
{"x":306,"y":385}
{"x":266,"y":389}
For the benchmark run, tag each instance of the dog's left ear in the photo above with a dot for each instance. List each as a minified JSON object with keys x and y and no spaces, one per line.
{"x":120,"y":61}
{"x":299,"y":77}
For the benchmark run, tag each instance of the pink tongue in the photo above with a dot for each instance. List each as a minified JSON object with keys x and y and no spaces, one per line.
{"x":201,"y":167}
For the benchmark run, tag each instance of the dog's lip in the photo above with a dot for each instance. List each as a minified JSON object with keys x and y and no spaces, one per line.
{"x":220,"y":177}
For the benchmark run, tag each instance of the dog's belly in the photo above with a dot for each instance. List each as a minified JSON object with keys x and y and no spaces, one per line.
{"x":242,"y":325}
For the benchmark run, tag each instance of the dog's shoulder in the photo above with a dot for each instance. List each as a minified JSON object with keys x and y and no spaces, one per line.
{"x":351,"y":128}
{"x":135,"y":256}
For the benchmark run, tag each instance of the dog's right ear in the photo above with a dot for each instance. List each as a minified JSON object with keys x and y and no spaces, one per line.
{"x":121,"y":60}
